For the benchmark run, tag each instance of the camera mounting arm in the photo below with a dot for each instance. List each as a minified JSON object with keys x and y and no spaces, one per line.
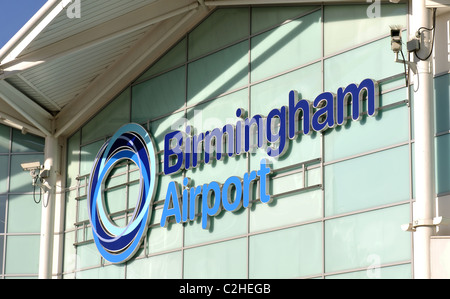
{"x":412,"y":65}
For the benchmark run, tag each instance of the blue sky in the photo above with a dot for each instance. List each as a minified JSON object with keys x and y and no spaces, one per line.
{"x":14,"y":14}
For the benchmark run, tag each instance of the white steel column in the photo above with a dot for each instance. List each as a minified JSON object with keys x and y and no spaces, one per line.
{"x":48,"y":208}
{"x":425,"y":193}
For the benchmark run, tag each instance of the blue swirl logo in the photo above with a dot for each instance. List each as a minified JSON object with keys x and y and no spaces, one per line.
{"x":131,"y":142}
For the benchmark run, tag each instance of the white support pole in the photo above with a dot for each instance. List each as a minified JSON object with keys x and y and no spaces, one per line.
{"x":425,"y":193}
{"x":48,"y":208}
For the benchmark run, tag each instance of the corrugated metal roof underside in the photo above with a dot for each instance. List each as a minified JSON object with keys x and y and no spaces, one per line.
{"x":93,"y":13}
{"x":55,"y":83}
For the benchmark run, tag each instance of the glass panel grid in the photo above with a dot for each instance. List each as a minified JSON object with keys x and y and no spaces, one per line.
{"x":20,"y":204}
{"x":188,"y":240}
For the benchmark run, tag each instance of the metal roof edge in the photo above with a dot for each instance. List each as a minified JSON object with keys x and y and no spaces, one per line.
{"x":22,"y":35}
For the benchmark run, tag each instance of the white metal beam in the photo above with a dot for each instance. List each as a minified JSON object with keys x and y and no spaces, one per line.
{"x":32,"y":86}
{"x":280,"y":2}
{"x":31,"y":111}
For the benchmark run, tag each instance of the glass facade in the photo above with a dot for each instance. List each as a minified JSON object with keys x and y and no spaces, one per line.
{"x":20,"y":204}
{"x":339,"y":196}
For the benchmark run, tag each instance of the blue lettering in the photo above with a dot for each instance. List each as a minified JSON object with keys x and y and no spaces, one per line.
{"x":195,"y":193}
{"x":295,"y":107}
{"x":186,"y":182}
{"x":184,"y":150}
{"x":250,"y":124}
{"x":234,"y":194}
{"x":280,"y":137}
{"x":249,"y":179}
{"x":324,"y":117}
{"x":356,"y":94}
{"x":169,"y":152}
{"x":171,"y":204}
{"x":208,"y":199}
{"x":263,"y":182}
{"x":228,"y":203}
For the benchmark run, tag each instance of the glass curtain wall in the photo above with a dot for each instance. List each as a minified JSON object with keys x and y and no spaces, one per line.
{"x":20,"y":204}
{"x":339,"y":196}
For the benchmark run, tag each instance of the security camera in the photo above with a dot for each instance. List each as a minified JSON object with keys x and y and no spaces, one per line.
{"x":396,"y":38}
{"x":31,"y":166}
{"x":394,"y":1}
{"x":34,"y":168}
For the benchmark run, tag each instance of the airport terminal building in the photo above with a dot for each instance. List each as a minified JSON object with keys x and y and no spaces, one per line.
{"x":226,"y":139}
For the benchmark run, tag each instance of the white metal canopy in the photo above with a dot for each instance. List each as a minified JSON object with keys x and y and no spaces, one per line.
{"x":58,"y":71}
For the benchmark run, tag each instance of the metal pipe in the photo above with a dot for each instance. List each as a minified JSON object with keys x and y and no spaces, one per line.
{"x":424,"y":143}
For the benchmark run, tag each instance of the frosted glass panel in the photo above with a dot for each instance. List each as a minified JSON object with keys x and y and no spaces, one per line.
{"x":106,"y":272}
{"x":442,"y":106}
{"x":225,"y":224}
{"x":174,"y":57}
{"x":348,"y":25}
{"x":367,"y":181}
{"x":374,"y":61}
{"x":218,"y":73}
{"x":442,"y":163}
{"x":158,"y":96}
{"x":22,"y":254}
{"x":115,"y":200}
{"x":266,"y":17}
{"x":88,"y":154}
{"x":368,"y":134}
{"x":24,"y":215}
{"x":161,"y":239}
{"x":274,"y":93}
{"x":286,"y":47}
{"x":3,"y":199}
{"x":26,"y":143}
{"x":69,"y":252}
{"x":288,"y":253}
{"x":220,"y":261}
{"x":111,"y":118}
{"x":4,"y":172}
{"x":166,"y":266}
{"x":361,"y":240}
{"x":87,"y":256}
{"x":374,"y":272}
{"x":223,"y":27}
{"x":286,"y":210}
{"x":73,"y":159}
{"x":4,"y":139}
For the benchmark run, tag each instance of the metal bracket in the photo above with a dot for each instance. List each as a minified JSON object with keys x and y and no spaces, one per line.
{"x":412,"y":65}
{"x":411,"y":227}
